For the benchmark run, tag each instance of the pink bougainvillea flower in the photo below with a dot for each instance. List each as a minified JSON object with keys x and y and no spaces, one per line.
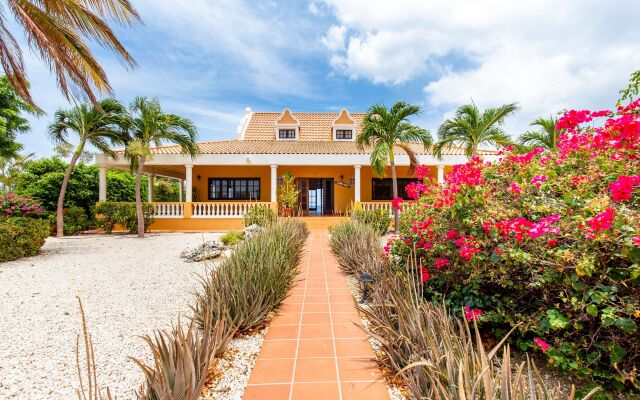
{"x":452,"y":234}
{"x":416,"y":189}
{"x":636,"y":240}
{"x":397,"y":203}
{"x":424,"y":274}
{"x":422,"y":171}
{"x":544,"y":346}
{"x":515,"y":188}
{"x":472,"y":314}
{"x":602,"y":221}
{"x":552,"y":243}
{"x":538,"y":179}
{"x":622,"y":188}
{"x":441,"y":263}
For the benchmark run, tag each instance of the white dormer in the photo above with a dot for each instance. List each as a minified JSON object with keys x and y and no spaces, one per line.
{"x":344,"y":127}
{"x":287,"y":126}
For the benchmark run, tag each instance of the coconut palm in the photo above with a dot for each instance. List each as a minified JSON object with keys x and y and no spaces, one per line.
{"x":546,"y":137}
{"x":98,"y":125}
{"x":58,"y":30}
{"x":148,"y":125}
{"x":471,"y":128}
{"x":387,"y":129}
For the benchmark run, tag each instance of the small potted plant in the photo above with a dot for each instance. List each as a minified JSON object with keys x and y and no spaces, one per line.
{"x":288,"y":194}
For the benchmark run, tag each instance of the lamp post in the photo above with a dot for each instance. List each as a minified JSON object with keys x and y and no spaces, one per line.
{"x":365,"y":280}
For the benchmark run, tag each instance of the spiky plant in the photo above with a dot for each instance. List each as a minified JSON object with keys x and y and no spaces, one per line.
{"x":181,"y":361}
{"x":257,"y":277}
{"x":545,"y":137}
{"x":357,"y":247}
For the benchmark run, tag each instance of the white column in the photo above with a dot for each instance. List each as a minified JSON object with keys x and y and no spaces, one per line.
{"x":274,"y":183}
{"x":102,"y":186}
{"x":180,"y":189}
{"x":150,"y":183}
{"x":356,"y":169}
{"x":189,"y":188}
{"x":441,"y":174}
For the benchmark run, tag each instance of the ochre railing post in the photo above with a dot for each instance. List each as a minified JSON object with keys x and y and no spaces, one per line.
{"x":188,"y":209}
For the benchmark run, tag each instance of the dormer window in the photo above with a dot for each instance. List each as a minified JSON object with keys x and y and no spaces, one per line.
{"x":344,"y":134}
{"x":286,"y":133}
{"x":287,"y":126}
{"x":344,"y":127}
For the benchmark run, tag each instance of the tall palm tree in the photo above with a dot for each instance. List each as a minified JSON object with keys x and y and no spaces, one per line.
{"x":147,"y":125}
{"x":98,"y":125}
{"x":386,"y":129}
{"x":58,"y":30}
{"x":545,"y":137}
{"x":471,"y":128}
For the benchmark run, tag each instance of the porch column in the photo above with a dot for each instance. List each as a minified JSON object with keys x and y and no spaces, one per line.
{"x":274,"y":183}
{"x":102,"y":186}
{"x":150,"y":183}
{"x":180,"y":189}
{"x":441,"y":174}
{"x":356,"y":169}
{"x":189,"y":188}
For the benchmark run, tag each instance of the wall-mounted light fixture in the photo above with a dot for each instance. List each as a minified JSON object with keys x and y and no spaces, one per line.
{"x":199,"y":177}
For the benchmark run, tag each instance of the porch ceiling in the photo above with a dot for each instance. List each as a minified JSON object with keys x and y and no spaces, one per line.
{"x":170,"y":171}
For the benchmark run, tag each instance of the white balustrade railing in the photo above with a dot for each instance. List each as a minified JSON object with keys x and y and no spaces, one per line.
{"x":377,"y":205}
{"x":225,"y":210}
{"x":168,"y":210}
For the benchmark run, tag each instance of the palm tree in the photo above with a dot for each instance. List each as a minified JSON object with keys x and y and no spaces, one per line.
{"x":10,"y":168}
{"x":58,"y":30}
{"x":147,"y":125}
{"x":383,"y":131}
{"x":546,"y":137}
{"x":98,"y":125}
{"x":471,"y":128}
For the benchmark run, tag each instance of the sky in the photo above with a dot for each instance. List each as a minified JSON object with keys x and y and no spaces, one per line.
{"x":208,"y":60}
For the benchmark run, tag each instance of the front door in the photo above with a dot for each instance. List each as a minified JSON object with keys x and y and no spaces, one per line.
{"x":316,"y":196}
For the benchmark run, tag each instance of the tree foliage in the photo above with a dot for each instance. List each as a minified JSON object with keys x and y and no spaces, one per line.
{"x":12,"y":122}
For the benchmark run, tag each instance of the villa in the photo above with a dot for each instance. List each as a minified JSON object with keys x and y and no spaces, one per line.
{"x":229,"y":177}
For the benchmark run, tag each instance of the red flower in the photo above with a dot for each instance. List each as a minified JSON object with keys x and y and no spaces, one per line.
{"x":544,"y":346}
{"x":636,"y":240}
{"x":425,"y":275}
{"x":515,"y":188}
{"x":472,"y":314}
{"x":397,"y":203}
{"x":452,"y":234}
{"x":602,"y":221}
{"x":622,"y":188}
{"x":441,"y":262}
{"x":552,"y":243}
{"x":422,"y":171}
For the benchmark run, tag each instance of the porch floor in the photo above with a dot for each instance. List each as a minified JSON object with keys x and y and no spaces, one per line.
{"x":314,"y":349}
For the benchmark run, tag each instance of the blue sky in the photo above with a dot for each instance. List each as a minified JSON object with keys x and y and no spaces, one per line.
{"x":208,"y":60}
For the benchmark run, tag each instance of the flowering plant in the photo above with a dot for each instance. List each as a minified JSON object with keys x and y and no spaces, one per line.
{"x":13,"y":205}
{"x":545,"y":241}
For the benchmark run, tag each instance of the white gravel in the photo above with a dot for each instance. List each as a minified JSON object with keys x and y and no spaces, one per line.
{"x":128,"y":287}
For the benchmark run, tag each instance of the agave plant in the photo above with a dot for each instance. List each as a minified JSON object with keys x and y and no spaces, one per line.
{"x":181,"y":361}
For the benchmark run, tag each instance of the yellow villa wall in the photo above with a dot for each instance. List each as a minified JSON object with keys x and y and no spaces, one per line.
{"x":204,"y":172}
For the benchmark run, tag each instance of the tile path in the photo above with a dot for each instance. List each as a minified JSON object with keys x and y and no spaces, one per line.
{"x":313,"y":349}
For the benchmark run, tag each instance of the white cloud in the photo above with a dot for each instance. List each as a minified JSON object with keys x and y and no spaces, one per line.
{"x":544,"y":54}
{"x":334,"y":39}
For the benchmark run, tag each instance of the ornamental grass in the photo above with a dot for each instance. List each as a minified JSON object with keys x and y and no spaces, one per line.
{"x":255,"y":279}
{"x":357,"y":246}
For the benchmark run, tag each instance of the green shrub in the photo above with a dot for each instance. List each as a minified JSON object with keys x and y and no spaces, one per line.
{"x":21,"y":237}
{"x":232,"y":238}
{"x":548,"y":241}
{"x":379,"y":220}
{"x":357,"y":247}
{"x":75,"y":220}
{"x":108,"y":215}
{"x":253,"y":282}
{"x":261,"y":216}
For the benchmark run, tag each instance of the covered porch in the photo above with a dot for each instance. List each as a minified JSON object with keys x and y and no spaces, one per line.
{"x":217,"y":191}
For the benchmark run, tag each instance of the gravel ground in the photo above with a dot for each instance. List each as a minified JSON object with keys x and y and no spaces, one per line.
{"x":128,"y":287}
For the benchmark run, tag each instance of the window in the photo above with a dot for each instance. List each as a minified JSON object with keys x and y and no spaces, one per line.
{"x":344,"y":134}
{"x":234,"y":189}
{"x":382,"y":189}
{"x":286,"y":133}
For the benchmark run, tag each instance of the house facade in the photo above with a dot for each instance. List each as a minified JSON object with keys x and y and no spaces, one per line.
{"x":229,"y":177}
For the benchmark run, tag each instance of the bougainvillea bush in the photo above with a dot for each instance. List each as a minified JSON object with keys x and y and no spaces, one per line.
{"x":22,"y":232}
{"x":13,"y":205}
{"x":547,"y":242}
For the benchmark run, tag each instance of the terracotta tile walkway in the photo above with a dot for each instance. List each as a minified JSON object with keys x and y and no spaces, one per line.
{"x":313,"y":349}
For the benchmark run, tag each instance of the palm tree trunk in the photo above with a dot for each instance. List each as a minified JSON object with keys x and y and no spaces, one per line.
{"x":63,"y":190}
{"x":139,"y":213}
{"x":394,"y":185}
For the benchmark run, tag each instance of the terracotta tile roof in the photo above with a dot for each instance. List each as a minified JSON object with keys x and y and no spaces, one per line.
{"x":314,"y":126}
{"x":293,"y":147}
